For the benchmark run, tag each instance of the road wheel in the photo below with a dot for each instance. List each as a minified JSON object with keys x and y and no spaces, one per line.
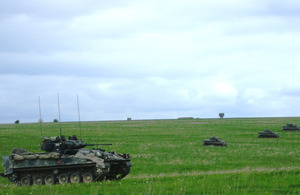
{"x":87,"y":177}
{"x":50,"y":179}
{"x":63,"y":178}
{"x":75,"y":178}
{"x":26,"y":181}
{"x":38,"y":180}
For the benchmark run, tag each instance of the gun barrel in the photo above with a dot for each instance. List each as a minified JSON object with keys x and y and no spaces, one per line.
{"x":98,"y":144}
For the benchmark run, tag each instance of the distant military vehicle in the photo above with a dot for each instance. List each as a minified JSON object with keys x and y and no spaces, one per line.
{"x":64,"y":161}
{"x":290,"y":127}
{"x":214,"y":141}
{"x":268,"y":134}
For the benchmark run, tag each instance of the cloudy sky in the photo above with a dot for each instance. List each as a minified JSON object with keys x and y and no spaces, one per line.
{"x":148,"y":59}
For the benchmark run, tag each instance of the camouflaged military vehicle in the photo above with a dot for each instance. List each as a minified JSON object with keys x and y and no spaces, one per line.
{"x":214,"y":142}
{"x":290,"y":127}
{"x":64,"y":161}
{"x":268,"y":134}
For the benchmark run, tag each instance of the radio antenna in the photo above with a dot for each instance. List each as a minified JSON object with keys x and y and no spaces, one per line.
{"x":41,"y":120}
{"x":79,"y":115}
{"x":59,"y":114}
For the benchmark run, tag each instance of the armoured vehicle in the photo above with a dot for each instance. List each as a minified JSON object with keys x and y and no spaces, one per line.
{"x":214,"y":141}
{"x":63,"y":161}
{"x":268,"y":134}
{"x":290,"y":127}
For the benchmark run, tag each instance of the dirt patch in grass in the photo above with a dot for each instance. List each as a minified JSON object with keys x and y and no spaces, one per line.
{"x":245,"y":170}
{"x":133,"y":125}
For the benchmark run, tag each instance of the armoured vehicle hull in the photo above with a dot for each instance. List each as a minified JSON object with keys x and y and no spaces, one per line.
{"x":290,"y":127}
{"x":83,"y":165}
{"x":268,"y":134}
{"x":213,"y":141}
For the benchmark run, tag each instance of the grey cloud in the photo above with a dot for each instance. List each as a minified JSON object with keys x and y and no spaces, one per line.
{"x":287,"y":9}
{"x":291,"y":91}
{"x":55,"y":9}
{"x":148,"y":59}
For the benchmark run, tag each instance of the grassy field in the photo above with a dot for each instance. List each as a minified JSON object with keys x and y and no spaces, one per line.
{"x":168,"y":156}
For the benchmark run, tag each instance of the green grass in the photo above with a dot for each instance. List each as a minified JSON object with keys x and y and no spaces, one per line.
{"x":168,"y":156}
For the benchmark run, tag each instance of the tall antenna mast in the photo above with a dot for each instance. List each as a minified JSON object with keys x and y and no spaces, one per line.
{"x":79,"y":115}
{"x":59,"y":114}
{"x":41,"y":120}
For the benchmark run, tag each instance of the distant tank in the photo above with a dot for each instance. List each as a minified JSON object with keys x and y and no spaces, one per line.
{"x":64,"y":161}
{"x":290,"y":127}
{"x":214,"y":141}
{"x":268,"y":134}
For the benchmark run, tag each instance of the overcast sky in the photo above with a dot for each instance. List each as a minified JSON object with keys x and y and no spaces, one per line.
{"x":149,"y":59}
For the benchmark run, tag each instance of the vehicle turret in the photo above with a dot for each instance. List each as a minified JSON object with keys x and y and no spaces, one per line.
{"x":64,"y":146}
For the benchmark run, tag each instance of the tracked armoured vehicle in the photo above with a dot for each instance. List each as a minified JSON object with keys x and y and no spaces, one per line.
{"x":268,"y":134}
{"x":64,"y":161}
{"x":290,"y":127}
{"x":213,"y":141}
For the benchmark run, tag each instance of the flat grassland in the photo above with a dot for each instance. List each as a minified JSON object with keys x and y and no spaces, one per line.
{"x":168,"y":156}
